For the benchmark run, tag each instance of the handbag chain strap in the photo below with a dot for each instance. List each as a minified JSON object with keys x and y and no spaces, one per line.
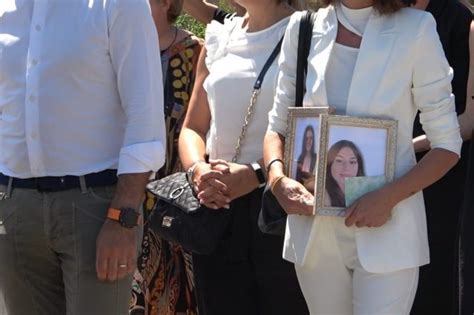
{"x":253,"y":99}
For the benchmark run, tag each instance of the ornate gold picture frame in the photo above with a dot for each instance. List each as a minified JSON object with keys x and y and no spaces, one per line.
{"x":356,"y":155}
{"x":301,"y":153}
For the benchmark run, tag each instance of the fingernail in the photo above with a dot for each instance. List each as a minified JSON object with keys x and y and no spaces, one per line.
{"x":228,"y":200}
{"x":227,"y":207}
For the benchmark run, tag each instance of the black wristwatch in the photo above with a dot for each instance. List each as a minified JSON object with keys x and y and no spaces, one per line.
{"x":127,"y":217}
{"x":259,"y":172}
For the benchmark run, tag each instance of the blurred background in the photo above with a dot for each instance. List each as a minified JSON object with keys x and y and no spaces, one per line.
{"x":187,"y":22}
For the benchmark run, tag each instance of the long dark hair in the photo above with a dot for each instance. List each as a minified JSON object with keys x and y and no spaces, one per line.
{"x":335,"y":193}
{"x":303,"y":152}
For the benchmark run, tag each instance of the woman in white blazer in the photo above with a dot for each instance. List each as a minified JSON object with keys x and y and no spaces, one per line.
{"x":368,"y":58}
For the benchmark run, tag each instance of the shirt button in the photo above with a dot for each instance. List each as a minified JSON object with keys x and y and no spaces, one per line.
{"x":33,"y":135}
{"x":32,"y":98}
{"x":38,"y":27}
{"x":34,"y":62}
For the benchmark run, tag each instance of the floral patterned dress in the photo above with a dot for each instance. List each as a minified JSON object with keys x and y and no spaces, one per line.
{"x":164,"y":282}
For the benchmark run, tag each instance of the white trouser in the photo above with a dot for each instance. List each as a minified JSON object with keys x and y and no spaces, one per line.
{"x":335,"y":283}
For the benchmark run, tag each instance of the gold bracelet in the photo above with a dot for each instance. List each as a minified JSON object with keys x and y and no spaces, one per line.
{"x":272,"y":186}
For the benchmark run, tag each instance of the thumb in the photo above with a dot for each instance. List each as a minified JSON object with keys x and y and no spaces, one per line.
{"x":350,"y":215}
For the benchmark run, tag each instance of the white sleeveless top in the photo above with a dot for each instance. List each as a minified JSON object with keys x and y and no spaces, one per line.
{"x":343,"y":59}
{"x":234,"y":59}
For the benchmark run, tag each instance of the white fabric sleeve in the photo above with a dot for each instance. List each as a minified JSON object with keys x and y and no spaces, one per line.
{"x":286,"y":84}
{"x":135,"y":55}
{"x":432,"y":90}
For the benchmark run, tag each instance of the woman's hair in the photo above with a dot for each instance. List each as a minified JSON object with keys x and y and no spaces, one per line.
{"x":333,"y":190}
{"x":303,"y":151}
{"x":297,"y":4}
{"x":381,"y":6}
{"x":176,"y":6}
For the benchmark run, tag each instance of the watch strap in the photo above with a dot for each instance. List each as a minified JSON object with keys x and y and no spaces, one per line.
{"x":260,"y":175}
{"x":114,"y":214}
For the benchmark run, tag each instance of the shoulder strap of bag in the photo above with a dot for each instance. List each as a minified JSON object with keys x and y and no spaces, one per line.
{"x":253,"y":99}
{"x":304,"y":45}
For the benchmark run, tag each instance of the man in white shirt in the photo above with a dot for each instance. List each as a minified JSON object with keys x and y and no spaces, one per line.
{"x":80,"y":103}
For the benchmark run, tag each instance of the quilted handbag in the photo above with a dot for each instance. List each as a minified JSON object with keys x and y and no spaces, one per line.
{"x":179,"y":217}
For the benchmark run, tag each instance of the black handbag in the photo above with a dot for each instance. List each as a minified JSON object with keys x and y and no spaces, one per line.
{"x":272,"y":217}
{"x":178,"y":216}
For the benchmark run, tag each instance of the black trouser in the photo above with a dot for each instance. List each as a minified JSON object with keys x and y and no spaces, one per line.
{"x":247,"y":275}
{"x":437,"y":293}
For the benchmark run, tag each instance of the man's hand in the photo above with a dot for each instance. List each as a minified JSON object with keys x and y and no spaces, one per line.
{"x":116,"y":251}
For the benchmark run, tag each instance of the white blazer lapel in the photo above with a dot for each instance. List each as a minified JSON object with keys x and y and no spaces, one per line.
{"x":374,"y":52}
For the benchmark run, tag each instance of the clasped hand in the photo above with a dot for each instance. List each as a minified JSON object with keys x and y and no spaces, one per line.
{"x":219,"y":182}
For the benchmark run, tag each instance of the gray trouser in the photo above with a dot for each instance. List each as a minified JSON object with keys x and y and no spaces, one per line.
{"x":47,"y":263}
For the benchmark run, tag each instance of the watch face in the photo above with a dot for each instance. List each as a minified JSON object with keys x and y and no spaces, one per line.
{"x":129,"y":217}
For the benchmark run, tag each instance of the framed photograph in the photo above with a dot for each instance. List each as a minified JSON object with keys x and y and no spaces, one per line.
{"x":302,"y":143}
{"x":356,"y":155}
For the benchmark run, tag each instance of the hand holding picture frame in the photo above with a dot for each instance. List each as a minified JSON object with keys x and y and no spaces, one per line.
{"x":352,"y":147}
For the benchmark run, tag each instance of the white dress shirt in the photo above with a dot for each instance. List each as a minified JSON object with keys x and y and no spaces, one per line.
{"x":80,"y":88}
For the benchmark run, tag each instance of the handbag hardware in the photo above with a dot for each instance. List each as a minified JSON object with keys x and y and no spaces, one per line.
{"x":167,"y":221}
{"x":177,"y":192}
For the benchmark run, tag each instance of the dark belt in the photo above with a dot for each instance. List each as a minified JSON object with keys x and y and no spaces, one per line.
{"x":59,"y":183}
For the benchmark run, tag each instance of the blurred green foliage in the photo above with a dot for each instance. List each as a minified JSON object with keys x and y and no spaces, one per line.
{"x":187,"y":22}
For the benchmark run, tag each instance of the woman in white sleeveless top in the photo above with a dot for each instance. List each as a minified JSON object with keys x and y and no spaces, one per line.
{"x":246,"y":275}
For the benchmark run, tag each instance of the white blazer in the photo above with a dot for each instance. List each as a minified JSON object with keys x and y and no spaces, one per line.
{"x":401,"y":68}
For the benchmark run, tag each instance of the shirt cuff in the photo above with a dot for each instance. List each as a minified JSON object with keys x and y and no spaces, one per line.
{"x":141,"y":158}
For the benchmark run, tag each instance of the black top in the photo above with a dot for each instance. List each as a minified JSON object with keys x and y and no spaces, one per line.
{"x":453,"y":21}
{"x":436,"y":293}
